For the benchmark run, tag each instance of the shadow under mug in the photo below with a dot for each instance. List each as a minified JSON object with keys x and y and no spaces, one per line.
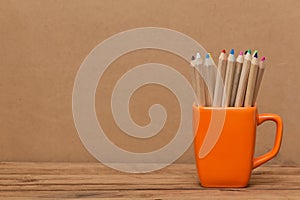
{"x":224,"y":144}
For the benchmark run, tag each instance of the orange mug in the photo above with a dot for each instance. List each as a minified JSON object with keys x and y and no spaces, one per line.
{"x":224,"y":144}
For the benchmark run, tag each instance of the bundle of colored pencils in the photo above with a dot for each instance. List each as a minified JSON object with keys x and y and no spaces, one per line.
{"x":234,"y":82}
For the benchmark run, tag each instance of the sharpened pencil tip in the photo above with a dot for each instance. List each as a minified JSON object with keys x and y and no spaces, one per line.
{"x":207,"y":55}
{"x":255,"y":55}
{"x":241,"y":53}
{"x":223,"y":51}
{"x":198,"y":55}
{"x":232,"y":51}
{"x":193,"y":58}
{"x":255,"y":52}
{"x":263,"y":58}
{"x":249,"y":51}
{"x":246,"y":52}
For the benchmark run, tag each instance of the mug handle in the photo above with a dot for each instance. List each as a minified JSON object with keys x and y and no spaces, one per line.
{"x":271,"y":154}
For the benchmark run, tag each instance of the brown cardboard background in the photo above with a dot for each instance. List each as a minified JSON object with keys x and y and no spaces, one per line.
{"x":43,"y":43}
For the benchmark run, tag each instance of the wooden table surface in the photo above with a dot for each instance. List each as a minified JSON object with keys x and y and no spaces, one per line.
{"x":178,"y":181}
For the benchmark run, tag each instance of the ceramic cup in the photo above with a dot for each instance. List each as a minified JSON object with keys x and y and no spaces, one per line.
{"x":224,"y":144}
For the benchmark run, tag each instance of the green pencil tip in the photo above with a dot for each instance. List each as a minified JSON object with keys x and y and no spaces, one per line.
{"x":249,"y":51}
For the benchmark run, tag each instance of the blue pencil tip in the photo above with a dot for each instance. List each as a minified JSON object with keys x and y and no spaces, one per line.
{"x":232,"y":51}
{"x":207,"y":55}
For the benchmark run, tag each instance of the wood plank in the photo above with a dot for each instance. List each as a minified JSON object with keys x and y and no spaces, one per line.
{"x":93,"y":180}
{"x":157,"y":194}
{"x":16,"y":182}
{"x":98,"y":168}
{"x":44,"y":167}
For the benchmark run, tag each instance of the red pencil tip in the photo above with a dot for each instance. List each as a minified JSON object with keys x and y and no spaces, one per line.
{"x":223,"y":51}
{"x":263,"y":58}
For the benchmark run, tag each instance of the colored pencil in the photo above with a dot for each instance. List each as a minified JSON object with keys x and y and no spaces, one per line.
{"x":260,"y":74}
{"x":251,"y":81}
{"x":236,"y":79}
{"x":240,"y":95}
{"x":199,"y":80}
{"x":228,"y":79}
{"x":208,"y":80}
{"x":193,"y":77}
{"x":220,"y":79}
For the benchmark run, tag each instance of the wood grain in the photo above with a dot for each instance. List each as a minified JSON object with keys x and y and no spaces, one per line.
{"x":177,"y":181}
